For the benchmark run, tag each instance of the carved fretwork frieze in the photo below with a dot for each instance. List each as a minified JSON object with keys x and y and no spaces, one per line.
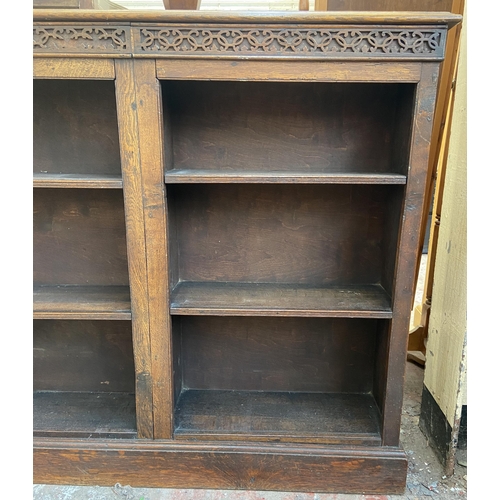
{"x":81,"y":39}
{"x":328,"y":42}
{"x":259,"y":41}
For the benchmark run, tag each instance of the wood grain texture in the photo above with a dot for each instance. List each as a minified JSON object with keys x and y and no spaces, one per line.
{"x":406,"y":260}
{"x":84,"y":415}
{"x":136,"y":243}
{"x":79,"y":237}
{"x":75,"y":128}
{"x":308,"y":234}
{"x":344,"y":419}
{"x":265,"y":299}
{"x":281,"y":467}
{"x":304,"y":128}
{"x":284,"y":194}
{"x":366,"y":17}
{"x":149,"y":106}
{"x":277,"y":354}
{"x":83,"y":356}
{"x":71,"y":68}
{"x":320,"y":71}
{"x":81,"y":181}
{"x":81,"y":302}
{"x":194,"y":176}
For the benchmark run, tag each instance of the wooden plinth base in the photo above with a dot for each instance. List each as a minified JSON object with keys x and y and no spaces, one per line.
{"x":272,"y":466}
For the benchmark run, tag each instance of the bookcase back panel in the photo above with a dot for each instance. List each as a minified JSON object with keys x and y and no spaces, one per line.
{"x":275,"y":354}
{"x":75,"y":127}
{"x":79,"y":237}
{"x":310,"y":234}
{"x":83,"y":356}
{"x":297,"y":127}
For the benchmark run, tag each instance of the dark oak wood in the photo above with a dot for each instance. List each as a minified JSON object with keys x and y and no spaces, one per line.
{"x":269,"y":299}
{"x":230,"y":176}
{"x":81,"y":302}
{"x":276,"y":354}
{"x":226,"y":218}
{"x":407,"y":248}
{"x":271,"y":466}
{"x":84,"y":415}
{"x":280,"y":233}
{"x":81,"y":68}
{"x":82,"y":181}
{"x":300,"y":71}
{"x":79,"y":237}
{"x":75,"y":128}
{"x":337,"y":18}
{"x":344,"y":419}
{"x":83,"y":356}
{"x":149,"y":106}
{"x":136,"y":243}
{"x":302,"y":128}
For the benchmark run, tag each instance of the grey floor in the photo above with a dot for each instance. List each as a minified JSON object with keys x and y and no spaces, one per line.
{"x":425,"y":479}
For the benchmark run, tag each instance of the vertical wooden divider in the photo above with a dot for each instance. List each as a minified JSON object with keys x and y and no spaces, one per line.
{"x":409,"y":234}
{"x":149,"y":113}
{"x":139,"y":109}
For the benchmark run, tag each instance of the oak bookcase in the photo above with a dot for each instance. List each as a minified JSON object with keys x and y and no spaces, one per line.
{"x":226,"y":220}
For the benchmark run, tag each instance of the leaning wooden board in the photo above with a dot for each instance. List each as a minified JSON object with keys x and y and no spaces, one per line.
{"x":227,"y":217}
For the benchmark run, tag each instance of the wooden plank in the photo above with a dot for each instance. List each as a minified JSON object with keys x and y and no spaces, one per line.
{"x":320,"y":71}
{"x":84,"y":414}
{"x":408,"y":247}
{"x":272,"y":466}
{"x":71,"y":68}
{"x":136,"y":244}
{"x":351,"y":419}
{"x":175,"y":17}
{"x":284,"y":177}
{"x":79,"y":181}
{"x":267,"y":299}
{"x":150,"y":142}
{"x":81,"y":302}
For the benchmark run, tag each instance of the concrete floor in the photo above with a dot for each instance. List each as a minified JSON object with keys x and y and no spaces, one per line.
{"x":425,"y":479}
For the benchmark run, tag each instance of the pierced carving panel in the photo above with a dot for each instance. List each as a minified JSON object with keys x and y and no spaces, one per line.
{"x":328,"y":42}
{"x":81,"y":39}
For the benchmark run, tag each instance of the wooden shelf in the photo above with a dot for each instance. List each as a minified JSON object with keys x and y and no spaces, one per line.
{"x":277,"y":416}
{"x":84,"y":414}
{"x":83,"y":181}
{"x":268,"y":299}
{"x":193,"y":176}
{"x":81,"y":302}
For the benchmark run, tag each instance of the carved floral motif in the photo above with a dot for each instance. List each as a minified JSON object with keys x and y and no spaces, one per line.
{"x":80,"y":39}
{"x":259,"y":41}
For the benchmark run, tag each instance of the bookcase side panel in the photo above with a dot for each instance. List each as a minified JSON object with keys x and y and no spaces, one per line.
{"x":407,"y":246}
